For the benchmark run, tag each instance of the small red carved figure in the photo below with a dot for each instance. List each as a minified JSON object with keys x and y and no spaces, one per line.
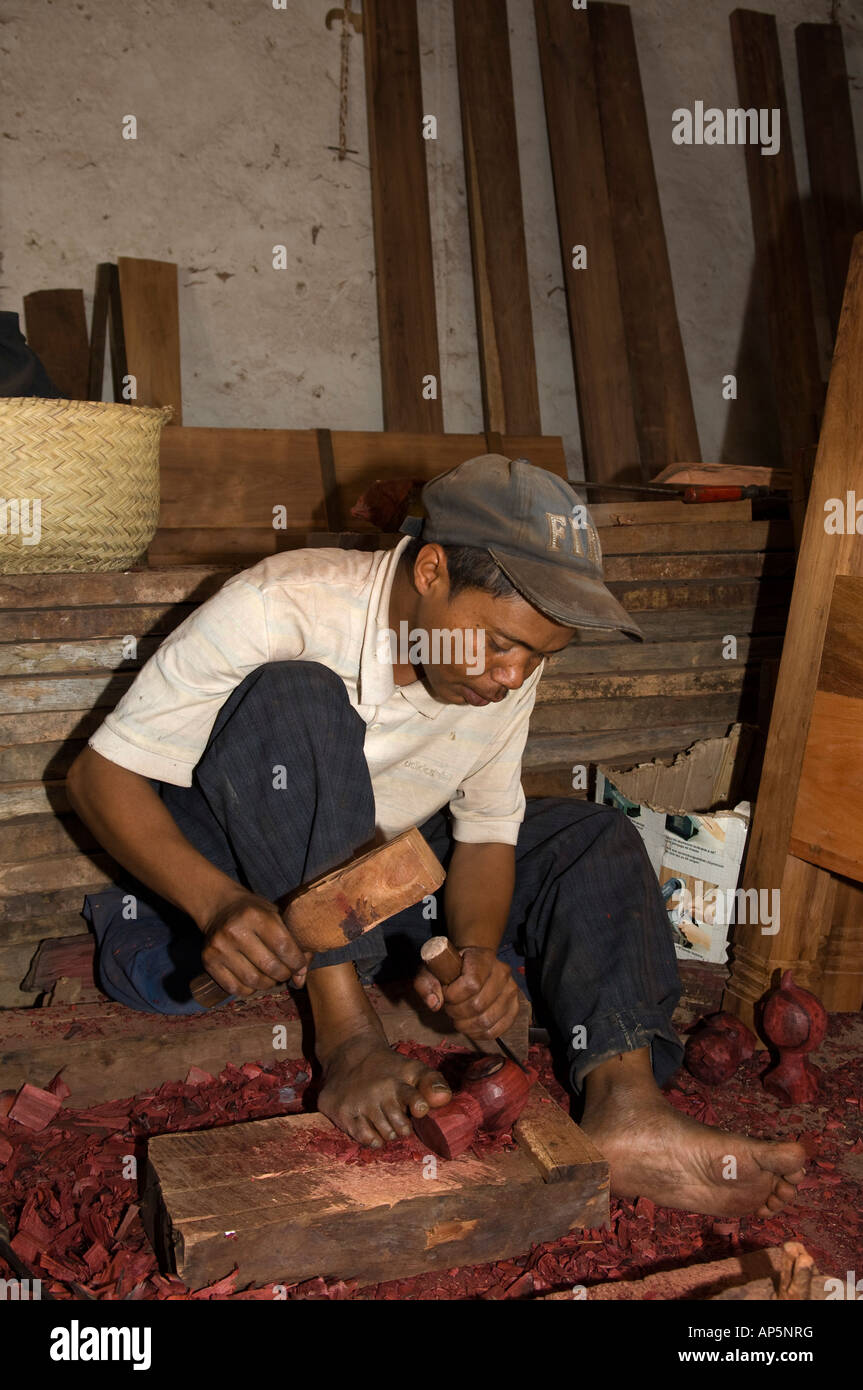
{"x":794,"y":1022}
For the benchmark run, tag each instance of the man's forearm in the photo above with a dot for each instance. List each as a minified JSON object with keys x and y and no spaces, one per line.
{"x":478,"y":893}
{"x":131,"y":822}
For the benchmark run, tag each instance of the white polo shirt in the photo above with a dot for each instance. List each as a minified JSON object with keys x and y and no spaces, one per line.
{"x":332,"y":607}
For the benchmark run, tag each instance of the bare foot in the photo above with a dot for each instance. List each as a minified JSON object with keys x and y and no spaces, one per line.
{"x":654,"y":1151}
{"x":371,"y":1092}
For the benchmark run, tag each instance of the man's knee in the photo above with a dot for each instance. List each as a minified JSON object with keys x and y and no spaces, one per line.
{"x":300,"y":680}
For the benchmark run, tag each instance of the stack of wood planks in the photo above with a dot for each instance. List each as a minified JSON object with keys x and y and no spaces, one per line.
{"x":70,"y":646}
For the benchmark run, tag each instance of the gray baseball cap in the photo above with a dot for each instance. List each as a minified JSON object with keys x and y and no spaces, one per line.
{"x":533,"y":525}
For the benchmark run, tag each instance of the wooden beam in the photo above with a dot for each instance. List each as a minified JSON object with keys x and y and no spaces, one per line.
{"x":584,"y":215}
{"x":664,"y":414}
{"x":151,"y":326}
{"x":807,"y":891}
{"x":57,"y":333}
{"x":780,"y":249}
{"x":296,"y":1211}
{"x":501,"y":284}
{"x":116,"y":1052}
{"x":407,"y":319}
{"x":834,"y":175}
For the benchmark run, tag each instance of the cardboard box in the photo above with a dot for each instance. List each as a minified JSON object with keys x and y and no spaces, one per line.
{"x":695,"y":845}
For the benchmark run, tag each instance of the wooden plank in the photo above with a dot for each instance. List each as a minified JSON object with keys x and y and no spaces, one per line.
{"x":689,"y":592}
{"x":826,"y":828}
{"x":234,"y":478}
{"x":107,"y":1051}
{"x":650,"y":712}
{"x":641,"y":513}
{"x":615,"y":685}
{"x":584,"y":215}
{"x":664,"y":415}
{"x":48,"y":726}
{"x":23,"y":907}
{"x":77,"y":624}
{"x":681,"y":624}
{"x":543,"y":450}
{"x":694,"y":654}
{"x":122,"y":586}
{"x":407,"y":321}
{"x":361,"y":457}
{"x":35,"y":929}
{"x":62,"y":692}
{"x":781,"y":265}
{"x":752,"y":564}
{"x":30,"y":837}
{"x":549,"y":751}
{"x":57,"y":333}
{"x":296,"y":1213}
{"x":99,"y":331}
{"x":151,"y":326}
{"x":664,"y":538}
{"x":32,"y":798}
{"x":26,"y":762}
{"x":841,"y":670}
{"x":834,"y":176}
{"x":98,"y":654}
{"x":501,"y":284}
{"x":823,"y":556}
{"x":559,"y":1148}
{"x":236,"y":548}
{"x":841,"y":960}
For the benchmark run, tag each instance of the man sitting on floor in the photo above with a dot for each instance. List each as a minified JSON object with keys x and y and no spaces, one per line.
{"x":284,"y":726}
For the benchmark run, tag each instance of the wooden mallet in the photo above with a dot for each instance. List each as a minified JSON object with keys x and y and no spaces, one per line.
{"x":340,"y":906}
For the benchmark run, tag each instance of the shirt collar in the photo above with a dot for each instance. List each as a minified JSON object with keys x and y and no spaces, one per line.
{"x":376,"y":684}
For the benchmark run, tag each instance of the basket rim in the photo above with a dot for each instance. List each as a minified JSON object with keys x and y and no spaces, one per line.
{"x":165,"y":412}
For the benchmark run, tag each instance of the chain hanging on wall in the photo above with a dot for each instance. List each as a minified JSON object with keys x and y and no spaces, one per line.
{"x":348,"y":17}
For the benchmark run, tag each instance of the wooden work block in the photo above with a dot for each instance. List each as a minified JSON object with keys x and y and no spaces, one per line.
{"x":261,"y":1198}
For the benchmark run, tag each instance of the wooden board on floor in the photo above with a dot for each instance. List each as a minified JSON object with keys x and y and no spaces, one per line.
{"x":834,"y":175}
{"x":56,"y":330}
{"x":501,"y":284}
{"x":151,"y":328}
{"x":781,"y":265}
{"x":407,"y":320}
{"x":584,"y":215}
{"x":664,"y":414}
{"x":295,"y":1213}
{"x":107,"y":1051}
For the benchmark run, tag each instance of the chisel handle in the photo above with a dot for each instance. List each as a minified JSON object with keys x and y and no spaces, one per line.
{"x":206,"y":992}
{"x":442,"y":959}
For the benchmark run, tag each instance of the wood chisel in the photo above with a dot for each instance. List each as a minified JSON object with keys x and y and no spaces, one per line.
{"x":445,"y":963}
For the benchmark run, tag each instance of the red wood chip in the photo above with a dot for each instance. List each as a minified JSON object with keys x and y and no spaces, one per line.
{"x":196,"y":1077}
{"x":57,"y":1087}
{"x":34,"y":1108}
{"x":6,"y":1149}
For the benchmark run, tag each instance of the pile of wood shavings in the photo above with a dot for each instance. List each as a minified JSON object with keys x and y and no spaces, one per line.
{"x":75,"y":1220}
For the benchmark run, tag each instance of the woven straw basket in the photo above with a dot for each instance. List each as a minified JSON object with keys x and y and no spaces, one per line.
{"x":83,"y":473}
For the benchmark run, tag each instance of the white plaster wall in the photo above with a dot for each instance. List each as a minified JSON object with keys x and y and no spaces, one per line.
{"x":237,"y":104}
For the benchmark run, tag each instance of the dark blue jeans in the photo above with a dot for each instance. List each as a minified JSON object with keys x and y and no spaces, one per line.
{"x":282,"y":793}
